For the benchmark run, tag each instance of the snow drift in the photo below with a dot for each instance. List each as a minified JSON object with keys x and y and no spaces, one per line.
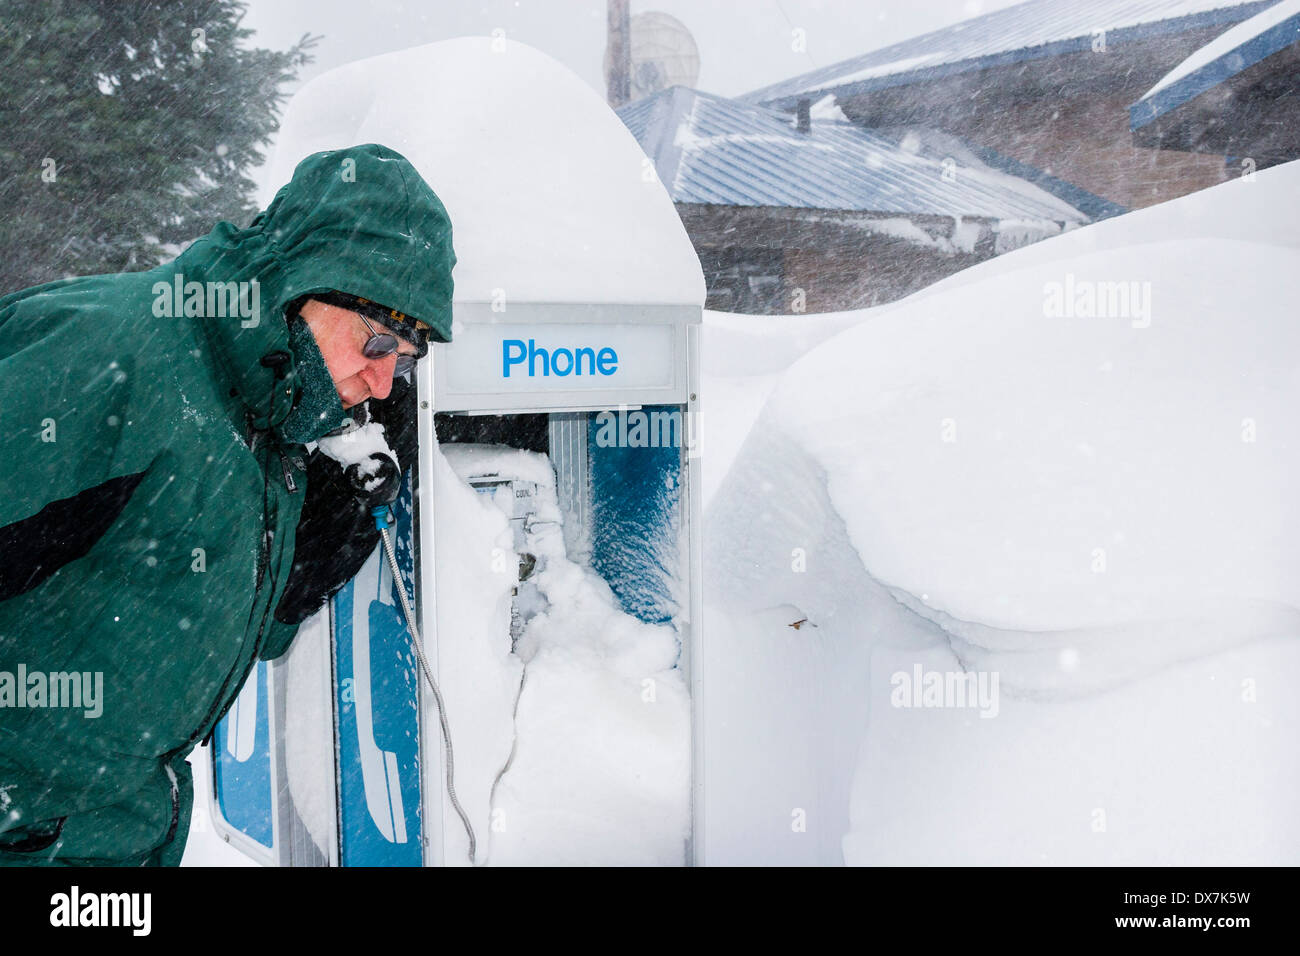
{"x":1024,"y":470}
{"x":1005,"y":468}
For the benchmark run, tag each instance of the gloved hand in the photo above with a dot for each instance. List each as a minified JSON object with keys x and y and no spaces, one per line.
{"x":376,"y":481}
{"x":336,"y":532}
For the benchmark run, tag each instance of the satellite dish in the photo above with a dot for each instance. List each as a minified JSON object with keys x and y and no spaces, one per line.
{"x":664,"y":54}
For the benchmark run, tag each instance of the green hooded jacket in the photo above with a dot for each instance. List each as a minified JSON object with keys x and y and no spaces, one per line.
{"x":157,"y":391}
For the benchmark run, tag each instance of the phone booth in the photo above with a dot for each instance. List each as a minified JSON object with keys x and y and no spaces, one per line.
{"x":549,"y":533}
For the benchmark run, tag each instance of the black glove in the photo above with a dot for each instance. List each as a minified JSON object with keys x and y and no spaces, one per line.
{"x":336,"y":532}
{"x":377,"y":483}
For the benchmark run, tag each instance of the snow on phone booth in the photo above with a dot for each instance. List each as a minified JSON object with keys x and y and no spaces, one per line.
{"x":549,"y":533}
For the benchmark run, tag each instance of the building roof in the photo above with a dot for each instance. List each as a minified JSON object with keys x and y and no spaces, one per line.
{"x":712,"y":150}
{"x":1249,"y":42}
{"x":1034,"y":30}
{"x":1091,"y":205}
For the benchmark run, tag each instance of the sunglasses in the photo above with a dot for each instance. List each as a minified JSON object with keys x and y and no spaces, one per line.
{"x":383,"y":344}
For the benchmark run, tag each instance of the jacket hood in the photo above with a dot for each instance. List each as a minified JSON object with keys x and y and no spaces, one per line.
{"x":359,"y":220}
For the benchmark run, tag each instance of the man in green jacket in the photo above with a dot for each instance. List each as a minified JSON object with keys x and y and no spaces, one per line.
{"x":154,"y":439}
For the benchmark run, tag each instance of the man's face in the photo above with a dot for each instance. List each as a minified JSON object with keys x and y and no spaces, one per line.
{"x":340,"y":334}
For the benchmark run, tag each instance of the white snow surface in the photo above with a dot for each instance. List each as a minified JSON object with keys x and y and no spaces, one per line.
{"x":474,"y":460}
{"x":1160,"y":440}
{"x":601,"y":763}
{"x":1015,"y":233}
{"x":355,"y":447}
{"x":1143,"y":713}
{"x":1042,"y":441}
{"x":470,"y":651}
{"x":963,"y":237}
{"x":1232,"y":39}
{"x":551,"y":198}
{"x":827,"y":109}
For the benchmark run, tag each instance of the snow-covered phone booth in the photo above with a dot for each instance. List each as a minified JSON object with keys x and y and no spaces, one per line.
{"x":549,"y":533}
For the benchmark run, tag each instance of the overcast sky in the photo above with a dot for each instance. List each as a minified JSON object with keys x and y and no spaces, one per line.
{"x":744,"y":44}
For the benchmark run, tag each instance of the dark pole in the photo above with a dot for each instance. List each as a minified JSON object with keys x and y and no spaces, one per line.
{"x":805,"y":115}
{"x":618,"y":54}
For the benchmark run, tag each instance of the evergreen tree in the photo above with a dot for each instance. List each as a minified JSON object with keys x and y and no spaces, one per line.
{"x":126,"y":129}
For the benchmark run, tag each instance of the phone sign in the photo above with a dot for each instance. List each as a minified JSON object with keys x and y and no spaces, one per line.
{"x":503,"y":357}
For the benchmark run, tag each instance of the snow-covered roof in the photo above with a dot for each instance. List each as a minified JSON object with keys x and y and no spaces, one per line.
{"x":1242,"y":46}
{"x":712,"y":150}
{"x":1027,"y":31}
{"x":547,"y":191}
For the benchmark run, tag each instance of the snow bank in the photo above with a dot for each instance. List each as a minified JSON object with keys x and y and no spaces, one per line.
{"x":784,"y":706}
{"x":742,"y":358}
{"x":1143,"y":713}
{"x":1193,"y":766}
{"x":1252,"y":208}
{"x":1008,"y":465}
